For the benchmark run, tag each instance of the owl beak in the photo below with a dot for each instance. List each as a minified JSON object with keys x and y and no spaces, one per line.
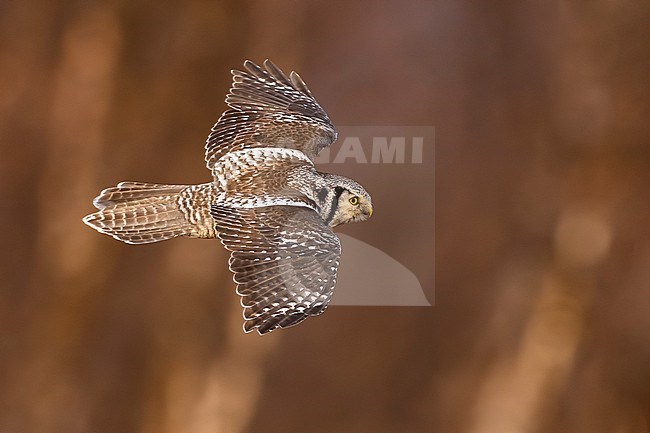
{"x":368,"y":211}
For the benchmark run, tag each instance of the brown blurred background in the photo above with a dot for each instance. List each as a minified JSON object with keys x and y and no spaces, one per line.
{"x":542,"y":271}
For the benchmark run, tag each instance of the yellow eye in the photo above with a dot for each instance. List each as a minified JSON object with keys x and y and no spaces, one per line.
{"x":354,"y":200}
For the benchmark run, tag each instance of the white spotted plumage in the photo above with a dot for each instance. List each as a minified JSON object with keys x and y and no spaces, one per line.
{"x":266,"y":203}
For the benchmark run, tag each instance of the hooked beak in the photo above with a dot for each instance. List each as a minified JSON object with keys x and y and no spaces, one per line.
{"x":367,"y":211}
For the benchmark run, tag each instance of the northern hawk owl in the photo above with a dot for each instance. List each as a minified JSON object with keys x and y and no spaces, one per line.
{"x":266,"y":203}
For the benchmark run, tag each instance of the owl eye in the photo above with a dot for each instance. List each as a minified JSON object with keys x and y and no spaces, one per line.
{"x":354,"y":200}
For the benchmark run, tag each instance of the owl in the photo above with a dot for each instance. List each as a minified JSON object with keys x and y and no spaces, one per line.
{"x":266,"y":201}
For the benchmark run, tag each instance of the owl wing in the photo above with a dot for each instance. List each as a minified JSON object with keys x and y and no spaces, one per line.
{"x":269,"y":109}
{"x":284,"y":260}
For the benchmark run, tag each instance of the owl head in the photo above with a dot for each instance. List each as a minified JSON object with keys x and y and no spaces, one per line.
{"x":345,"y":201}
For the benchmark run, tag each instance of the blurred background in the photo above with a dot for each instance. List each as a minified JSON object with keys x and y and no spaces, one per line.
{"x":541,"y":320}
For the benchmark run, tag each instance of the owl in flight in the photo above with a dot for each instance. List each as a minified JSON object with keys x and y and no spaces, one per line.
{"x":266,"y":203}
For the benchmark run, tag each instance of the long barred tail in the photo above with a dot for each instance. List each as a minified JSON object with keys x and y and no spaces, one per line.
{"x":140,"y":213}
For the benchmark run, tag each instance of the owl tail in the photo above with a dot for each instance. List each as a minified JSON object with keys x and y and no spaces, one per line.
{"x":139,"y":213}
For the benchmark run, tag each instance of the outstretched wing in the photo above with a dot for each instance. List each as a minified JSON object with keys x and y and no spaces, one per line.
{"x":284,"y":260}
{"x":269,"y":109}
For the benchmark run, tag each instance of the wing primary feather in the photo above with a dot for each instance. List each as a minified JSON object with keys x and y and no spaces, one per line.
{"x":254,"y":69}
{"x":277,"y":73}
{"x":299,"y":84}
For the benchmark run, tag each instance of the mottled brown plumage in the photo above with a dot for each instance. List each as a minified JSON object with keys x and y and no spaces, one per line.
{"x":267,"y":203}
